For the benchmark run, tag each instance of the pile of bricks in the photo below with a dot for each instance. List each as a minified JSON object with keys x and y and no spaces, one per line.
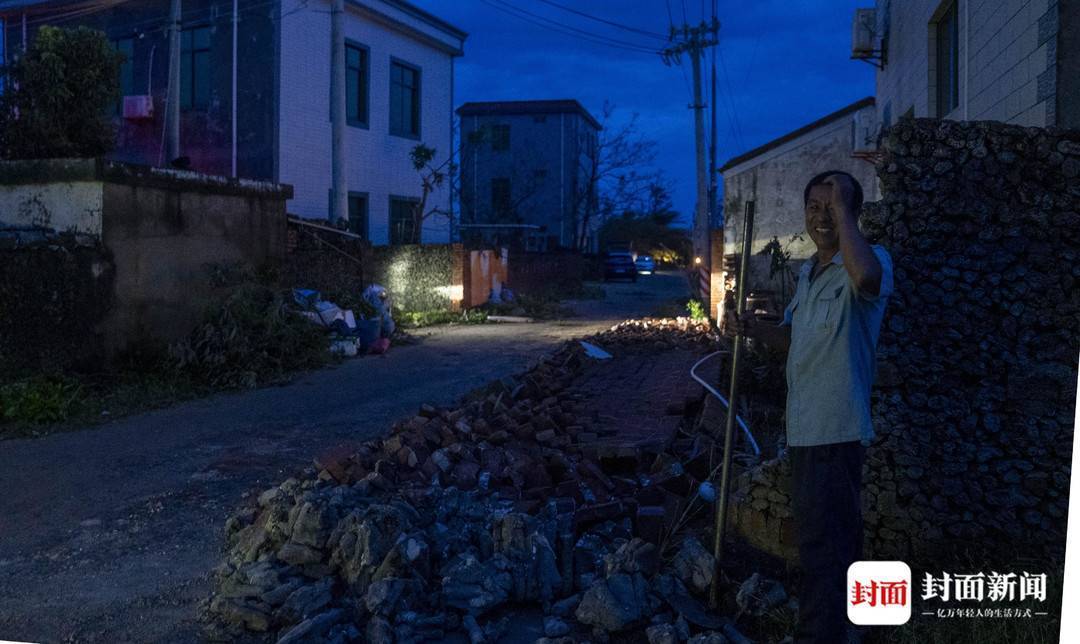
{"x":521,"y":494}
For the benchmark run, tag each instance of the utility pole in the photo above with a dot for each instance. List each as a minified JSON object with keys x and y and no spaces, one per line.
{"x":693,"y":41}
{"x":713,"y":205}
{"x":172,"y":107}
{"x":340,"y":210}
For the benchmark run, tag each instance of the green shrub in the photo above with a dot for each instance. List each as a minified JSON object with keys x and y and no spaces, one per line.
{"x":696,"y":311}
{"x":251,"y":339}
{"x":59,"y":95}
{"x":38,"y":400}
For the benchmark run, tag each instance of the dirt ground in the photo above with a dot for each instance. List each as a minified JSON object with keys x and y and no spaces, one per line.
{"x":110,"y":533}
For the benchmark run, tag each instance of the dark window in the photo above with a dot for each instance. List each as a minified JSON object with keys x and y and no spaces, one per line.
{"x":126,"y":47}
{"x":356,"y":85}
{"x":358,"y":212}
{"x":404,"y":100}
{"x":500,"y":137}
{"x":539,"y":119}
{"x":195,"y":68}
{"x":500,"y":197}
{"x":948,"y":62}
{"x":402,"y":223}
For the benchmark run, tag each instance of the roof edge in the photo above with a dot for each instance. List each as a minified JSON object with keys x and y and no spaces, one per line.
{"x":794,"y":134}
{"x":523,"y":107}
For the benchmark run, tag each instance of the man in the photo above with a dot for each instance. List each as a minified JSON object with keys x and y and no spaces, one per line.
{"x":830,"y":331}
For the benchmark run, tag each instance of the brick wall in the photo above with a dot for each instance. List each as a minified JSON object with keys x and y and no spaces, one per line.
{"x":1007,"y":60}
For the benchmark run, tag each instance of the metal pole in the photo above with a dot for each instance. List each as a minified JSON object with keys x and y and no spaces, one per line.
{"x":172,"y":107}
{"x":340,"y":211}
{"x":733,"y":396}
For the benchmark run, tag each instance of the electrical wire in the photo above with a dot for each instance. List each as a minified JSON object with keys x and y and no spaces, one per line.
{"x":733,"y":114}
{"x":564,"y":29}
{"x":612,"y":23}
{"x":583,"y":32}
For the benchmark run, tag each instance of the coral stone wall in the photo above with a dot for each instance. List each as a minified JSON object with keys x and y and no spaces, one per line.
{"x":976,"y":386}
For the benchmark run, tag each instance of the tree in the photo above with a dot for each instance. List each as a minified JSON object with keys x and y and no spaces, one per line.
{"x":432,"y":177}
{"x":649,"y":229}
{"x":58,"y":96}
{"x":614,"y":174}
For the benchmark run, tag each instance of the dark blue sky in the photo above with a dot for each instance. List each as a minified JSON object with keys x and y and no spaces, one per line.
{"x":786,"y":63}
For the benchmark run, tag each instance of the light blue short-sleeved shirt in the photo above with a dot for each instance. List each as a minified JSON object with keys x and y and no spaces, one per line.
{"x":830,"y":366}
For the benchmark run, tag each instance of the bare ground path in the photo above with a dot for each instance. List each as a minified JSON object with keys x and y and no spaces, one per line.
{"x":109,"y":534}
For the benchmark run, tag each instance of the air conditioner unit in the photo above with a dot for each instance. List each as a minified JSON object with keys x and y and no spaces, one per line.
{"x":865,"y":131}
{"x":138,"y":107}
{"x":864,"y":34}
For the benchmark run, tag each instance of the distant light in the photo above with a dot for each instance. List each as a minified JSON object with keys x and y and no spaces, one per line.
{"x":697,"y":260}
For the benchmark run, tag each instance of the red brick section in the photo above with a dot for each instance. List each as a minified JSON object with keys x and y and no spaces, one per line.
{"x":627,"y":398}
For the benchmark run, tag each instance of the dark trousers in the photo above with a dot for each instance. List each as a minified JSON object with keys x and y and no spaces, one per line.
{"x":826,"y":483}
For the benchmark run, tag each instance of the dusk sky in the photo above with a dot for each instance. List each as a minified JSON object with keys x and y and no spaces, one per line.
{"x":786,"y":63}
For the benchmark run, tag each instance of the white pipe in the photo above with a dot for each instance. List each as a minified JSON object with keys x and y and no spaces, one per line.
{"x":339,"y":183}
{"x":235,"y":32}
{"x":172,"y":109}
{"x":711,"y":390}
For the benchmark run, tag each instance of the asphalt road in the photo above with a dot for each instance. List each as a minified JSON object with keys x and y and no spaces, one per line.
{"x":109,"y":534}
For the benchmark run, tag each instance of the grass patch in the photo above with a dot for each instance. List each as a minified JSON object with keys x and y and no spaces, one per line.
{"x":418,"y":319}
{"x":254,"y":338}
{"x":39,"y":400}
{"x":546,"y":306}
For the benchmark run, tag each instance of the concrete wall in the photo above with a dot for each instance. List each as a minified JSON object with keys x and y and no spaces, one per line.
{"x":162,"y":231}
{"x":378,"y":162}
{"x":165,"y":231}
{"x":774,"y":181}
{"x":1008,"y":61}
{"x":64,"y":206}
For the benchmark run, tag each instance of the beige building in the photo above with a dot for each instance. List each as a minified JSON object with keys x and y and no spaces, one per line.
{"x":999,"y":60}
{"x":773,"y":176}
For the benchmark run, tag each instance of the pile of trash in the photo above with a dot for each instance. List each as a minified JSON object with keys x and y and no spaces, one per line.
{"x":352,"y":334}
{"x":459,"y":517}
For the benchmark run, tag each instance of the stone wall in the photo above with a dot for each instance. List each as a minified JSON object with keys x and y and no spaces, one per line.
{"x":975,"y":393}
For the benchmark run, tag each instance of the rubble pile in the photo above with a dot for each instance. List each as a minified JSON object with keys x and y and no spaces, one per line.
{"x":460,"y":515}
{"x":650,"y":334}
{"x":974,"y":398}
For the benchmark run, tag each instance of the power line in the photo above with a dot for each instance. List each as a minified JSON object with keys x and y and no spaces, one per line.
{"x":618,"y":25}
{"x":566,"y":29}
{"x":624,"y":43}
{"x":734,"y":113}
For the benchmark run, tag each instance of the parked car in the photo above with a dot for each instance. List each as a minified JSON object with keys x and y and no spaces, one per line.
{"x":645,"y":264}
{"x":619,"y":266}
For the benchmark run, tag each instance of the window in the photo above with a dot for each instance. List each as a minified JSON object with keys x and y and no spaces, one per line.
{"x":358,"y":212}
{"x":500,"y":137}
{"x":404,"y":100}
{"x":500,"y":197}
{"x":946,"y":36}
{"x":126,"y":47}
{"x":195,"y":68}
{"x":356,"y":85}
{"x":402,"y":224}
{"x":540,"y":118}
